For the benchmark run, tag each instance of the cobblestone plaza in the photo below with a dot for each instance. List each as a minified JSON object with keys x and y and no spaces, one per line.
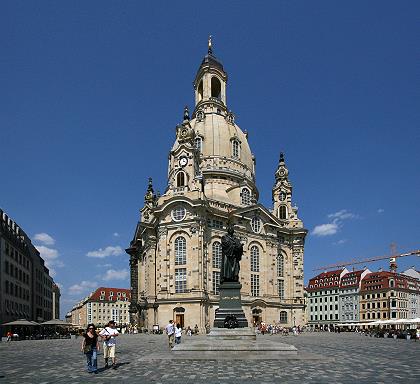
{"x":322,"y":358}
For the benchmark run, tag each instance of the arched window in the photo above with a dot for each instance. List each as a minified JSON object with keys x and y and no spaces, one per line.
{"x":199,"y":144}
{"x":216,"y":88}
{"x":217,"y":254}
{"x":255,"y":259}
{"x":246,"y":197}
{"x":280,"y":265}
{"x":180,"y":251}
{"x":283,"y":317}
{"x":180,"y":179}
{"x":200,"y":91}
{"x":283,"y":212}
{"x":235,"y":149}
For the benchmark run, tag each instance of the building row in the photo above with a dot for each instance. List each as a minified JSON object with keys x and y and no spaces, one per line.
{"x":344,"y":296}
{"x":27,"y":289}
{"x":101,"y":306}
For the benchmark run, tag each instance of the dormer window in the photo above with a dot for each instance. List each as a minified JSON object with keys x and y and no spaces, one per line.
{"x":235,"y":149}
{"x":245,"y":196}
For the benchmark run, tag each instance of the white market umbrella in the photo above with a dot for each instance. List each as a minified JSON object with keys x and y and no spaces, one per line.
{"x":22,"y":322}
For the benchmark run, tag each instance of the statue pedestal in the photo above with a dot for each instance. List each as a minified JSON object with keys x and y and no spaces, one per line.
{"x":230,"y":306}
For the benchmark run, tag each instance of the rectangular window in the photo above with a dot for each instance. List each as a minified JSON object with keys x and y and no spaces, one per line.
{"x":281,"y":289}
{"x":180,"y":280}
{"x":216,"y":282}
{"x":255,"y":285}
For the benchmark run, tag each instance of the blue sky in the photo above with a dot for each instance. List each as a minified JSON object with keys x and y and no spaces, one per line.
{"x":91,"y":92}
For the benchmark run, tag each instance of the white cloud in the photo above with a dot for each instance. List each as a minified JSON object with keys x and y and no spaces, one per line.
{"x":340,"y":242}
{"x":48,"y":254}
{"x":342,"y":215}
{"x":44,"y":238}
{"x":116,"y":234}
{"x":83,"y":287}
{"x":325,"y":229}
{"x":112,"y":274}
{"x":381,"y":210}
{"x":105,"y":252}
{"x":51,"y":258}
{"x":333,"y":227}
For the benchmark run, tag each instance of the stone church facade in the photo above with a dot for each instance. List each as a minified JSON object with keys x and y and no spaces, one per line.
{"x":175,"y":255}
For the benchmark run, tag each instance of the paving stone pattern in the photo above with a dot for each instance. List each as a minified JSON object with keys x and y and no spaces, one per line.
{"x":323,"y":358}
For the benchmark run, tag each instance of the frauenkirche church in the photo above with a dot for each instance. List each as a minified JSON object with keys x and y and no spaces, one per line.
{"x":175,"y":255}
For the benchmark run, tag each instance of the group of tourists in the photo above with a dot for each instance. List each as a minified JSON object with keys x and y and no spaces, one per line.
{"x":174,"y":333}
{"x":91,"y":346}
{"x":275,"y":329}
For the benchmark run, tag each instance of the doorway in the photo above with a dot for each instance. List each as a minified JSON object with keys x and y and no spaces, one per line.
{"x":179,"y":319}
{"x":256,"y":316}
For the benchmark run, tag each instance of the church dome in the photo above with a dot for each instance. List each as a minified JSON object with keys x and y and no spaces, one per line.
{"x":225,"y":163}
{"x":218,"y":138}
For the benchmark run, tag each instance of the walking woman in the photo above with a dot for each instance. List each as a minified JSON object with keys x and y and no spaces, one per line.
{"x":90,"y":347}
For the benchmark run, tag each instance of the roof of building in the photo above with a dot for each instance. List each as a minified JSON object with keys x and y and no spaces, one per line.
{"x":325,"y":280}
{"x":351,"y":279}
{"x":110,"y":294}
{"x":376,"y":281}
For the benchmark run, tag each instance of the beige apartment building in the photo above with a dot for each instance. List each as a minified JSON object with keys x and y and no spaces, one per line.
{"x":384,"y":296}
{"x":101,"y":306}
{"x":175,"y":254}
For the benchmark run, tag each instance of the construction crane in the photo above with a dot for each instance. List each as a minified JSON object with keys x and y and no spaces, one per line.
{"x":392,"y":260}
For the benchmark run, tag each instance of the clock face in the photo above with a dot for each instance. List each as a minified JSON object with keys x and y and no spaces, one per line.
{"x":183,"y":161}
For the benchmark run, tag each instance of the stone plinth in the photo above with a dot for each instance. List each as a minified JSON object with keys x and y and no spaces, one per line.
{"x":237,"y":345}
{"x":230,"y":305}
{"x":232,"y":334}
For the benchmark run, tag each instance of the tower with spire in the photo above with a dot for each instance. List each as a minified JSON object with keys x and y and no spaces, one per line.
{"x":175,"y":254}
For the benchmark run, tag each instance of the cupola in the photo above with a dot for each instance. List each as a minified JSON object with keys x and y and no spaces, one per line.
{"x":210,"y":84}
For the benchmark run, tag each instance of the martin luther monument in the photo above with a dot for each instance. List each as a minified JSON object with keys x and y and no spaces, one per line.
{"x":230,"y":313}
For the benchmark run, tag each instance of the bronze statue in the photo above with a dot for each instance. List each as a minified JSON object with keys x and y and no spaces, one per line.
{"x":232,"y":251}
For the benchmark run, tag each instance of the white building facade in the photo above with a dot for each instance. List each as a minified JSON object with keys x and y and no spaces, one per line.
{"x":323,"y":298}
{"x":349,"y":296}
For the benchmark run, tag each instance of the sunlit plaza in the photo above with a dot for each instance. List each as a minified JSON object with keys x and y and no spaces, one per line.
{"x":322,"y":358}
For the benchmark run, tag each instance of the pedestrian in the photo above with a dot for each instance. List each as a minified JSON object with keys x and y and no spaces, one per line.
{"x":189,"y":331}
{"x":108,"y":334}
{"x":9,"y":336}
{"x":170,"y":331}
{"x":196,"y":330}
{"x":178,"y":333}
{"x":90,"y":347}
